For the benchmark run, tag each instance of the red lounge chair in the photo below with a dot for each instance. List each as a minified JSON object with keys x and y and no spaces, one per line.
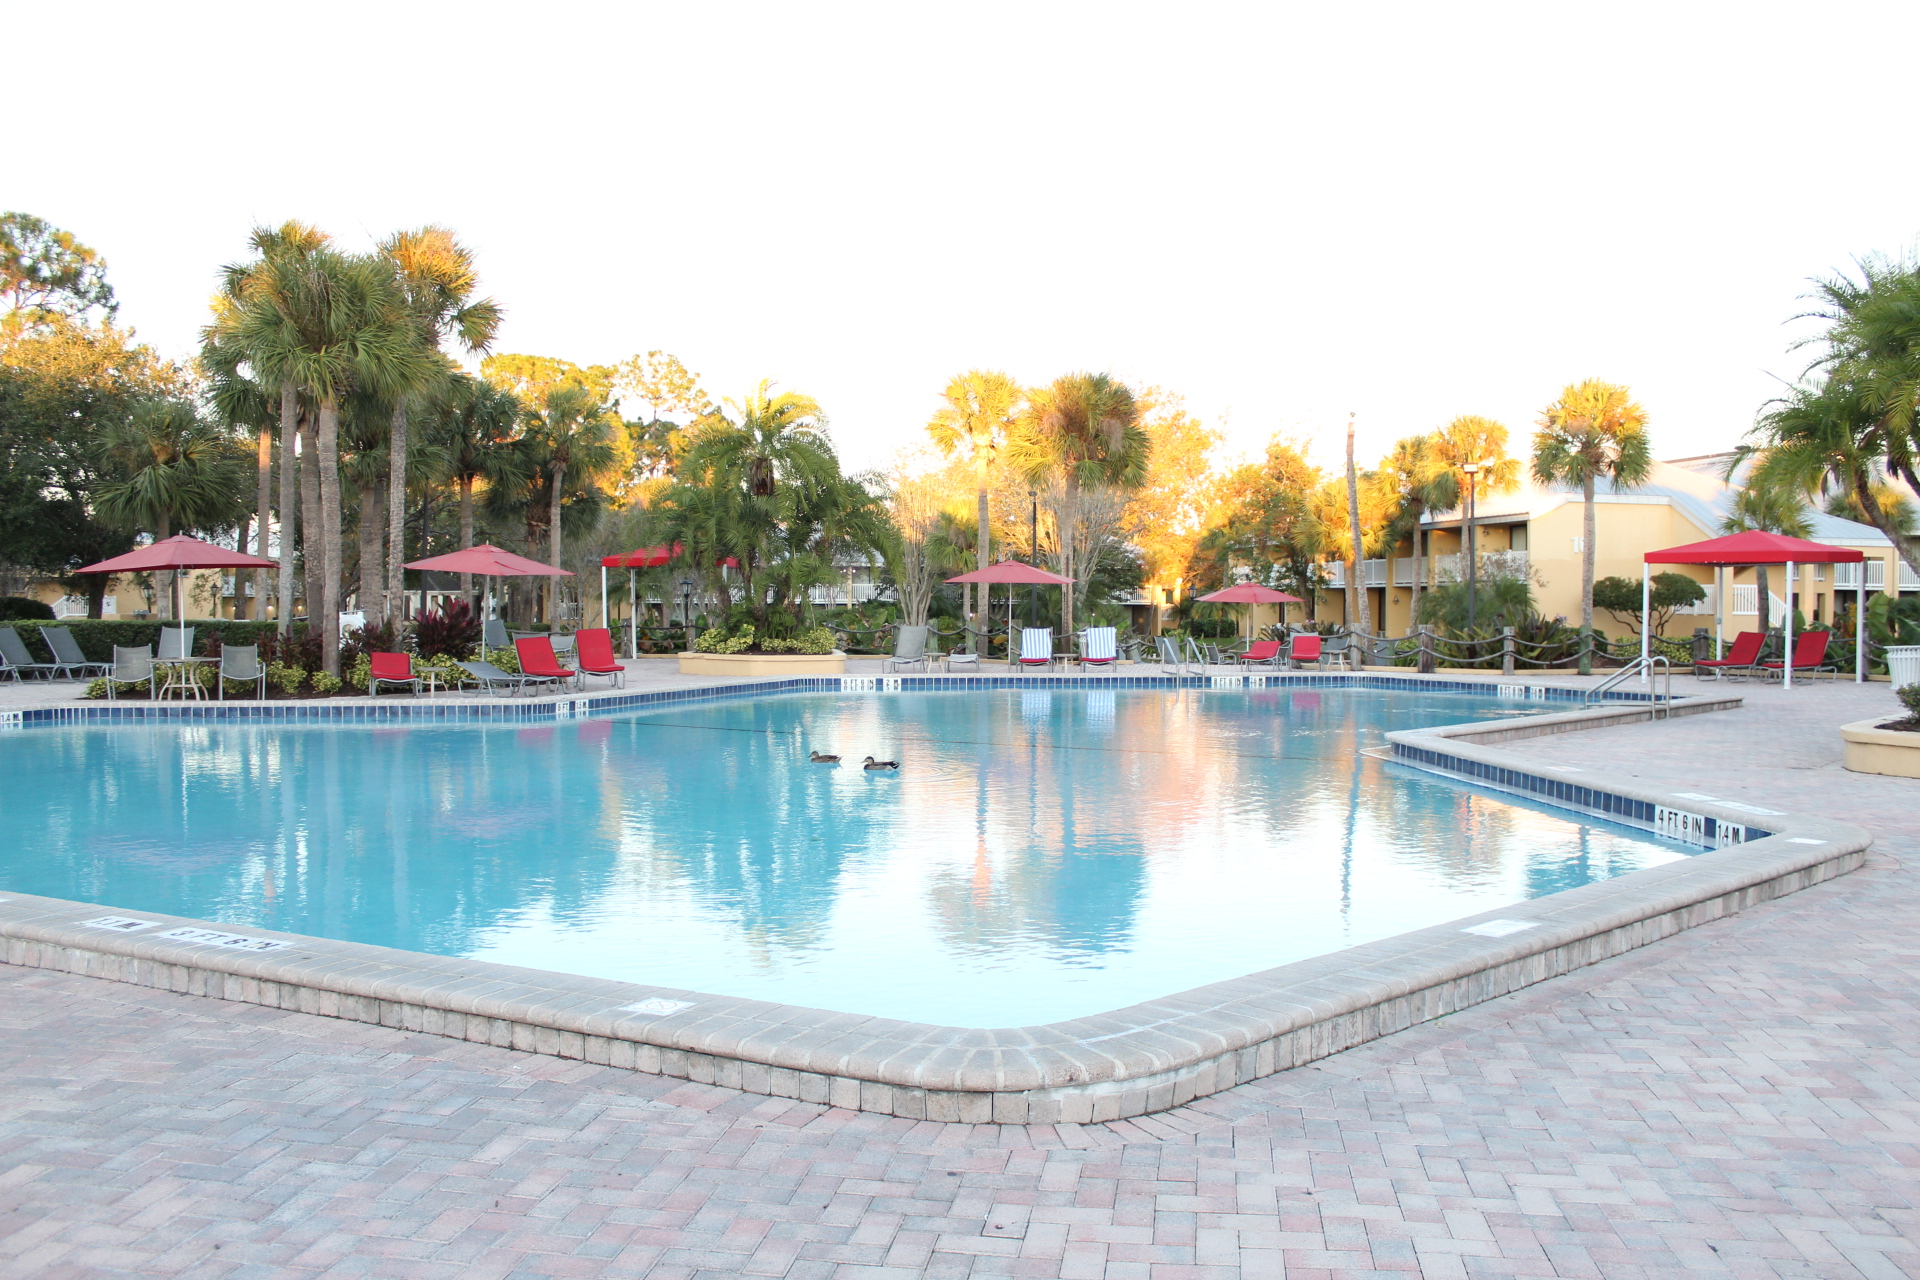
{"x":537,"y":660}
{"x":1809,"y":654}
{"x":1303,"y":649}
{"x":391,"y":668}
{"x":1744,"y":654}
{"x":1262,"y":653}
{"x":593,"y":650}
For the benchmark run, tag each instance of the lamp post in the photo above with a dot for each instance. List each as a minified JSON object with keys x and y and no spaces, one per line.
{"x":1033,"y":558}
{"x":686,"y":608}
{"x":1470,"y":470}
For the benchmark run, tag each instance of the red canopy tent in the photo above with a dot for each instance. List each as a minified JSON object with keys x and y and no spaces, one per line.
{"x":176,"y":553}
{"x":1252,"y":593}
{"x":1759,"y":548}
{"x":631,"y":561}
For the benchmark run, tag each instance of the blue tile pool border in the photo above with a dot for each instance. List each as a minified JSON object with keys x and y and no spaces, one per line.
{"x":455,"y":709}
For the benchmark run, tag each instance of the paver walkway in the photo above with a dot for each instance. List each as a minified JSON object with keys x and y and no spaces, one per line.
{"x":1741,"y":1101}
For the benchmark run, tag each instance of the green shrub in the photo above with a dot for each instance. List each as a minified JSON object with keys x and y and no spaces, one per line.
{"x":1910,"y":699}
{"x":25,"y":609}
{"x":507,"y":659}
{"x":325,"y":685}
{"x":287,"y":679}
{"x":360,"y":671}
{"x":716,"y":640}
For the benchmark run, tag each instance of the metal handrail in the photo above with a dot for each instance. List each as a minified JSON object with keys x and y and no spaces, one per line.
{"x":1644,"y":667}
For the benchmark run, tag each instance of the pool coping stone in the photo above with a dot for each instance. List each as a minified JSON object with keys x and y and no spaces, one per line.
{"x":1113,"y":1065}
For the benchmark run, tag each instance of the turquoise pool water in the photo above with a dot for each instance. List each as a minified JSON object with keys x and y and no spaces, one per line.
{"x":1039,"y":855}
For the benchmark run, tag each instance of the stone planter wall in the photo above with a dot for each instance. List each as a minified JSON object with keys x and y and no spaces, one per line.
{"x":749,"y":665}
{"x":1871,"y":749}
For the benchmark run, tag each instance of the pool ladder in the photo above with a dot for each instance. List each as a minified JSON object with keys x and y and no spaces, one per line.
{"x":1662,"y":708}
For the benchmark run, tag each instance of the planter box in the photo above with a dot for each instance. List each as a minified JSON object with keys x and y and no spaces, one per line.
{"x":747,"y":665}
{"x":1874,"y":750}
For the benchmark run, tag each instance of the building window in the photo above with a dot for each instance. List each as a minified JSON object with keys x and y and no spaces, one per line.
{"x":1166,"y":595}
{"x":1519,"y":534}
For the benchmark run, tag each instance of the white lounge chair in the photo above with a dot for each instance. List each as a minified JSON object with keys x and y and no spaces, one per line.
{"x":1099,"y":647}
{"x":1036,"y":648}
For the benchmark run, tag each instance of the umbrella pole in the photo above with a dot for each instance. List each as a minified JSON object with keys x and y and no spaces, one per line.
{"x":1646,"y":620}
{"x":1860,"y":626}
{"x":1786,"y":664}
{"x":633,"y":618}
{"x":603,"y":595}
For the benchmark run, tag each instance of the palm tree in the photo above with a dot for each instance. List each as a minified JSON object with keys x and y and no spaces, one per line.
{"x":473,"y":435}
{"x":982,"y":409}
{"x":572,"y":431}
{"x":241,"y":402}
{"x":1594,"y":429}
{"x":1084,"y":428}
{"x":1418,"y":480}
{"x":735,"y":479}
{"x":435,"y":274}
{"x":1766,"y":504}
{"x":324,"y":324}
{"x":176,"y":471}
{"x":289,"y":243}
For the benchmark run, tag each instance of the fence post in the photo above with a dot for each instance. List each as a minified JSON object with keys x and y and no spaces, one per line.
{"x":1703,"y":644}
{"x":1506,"y":651}
{"x":1425,"y":664}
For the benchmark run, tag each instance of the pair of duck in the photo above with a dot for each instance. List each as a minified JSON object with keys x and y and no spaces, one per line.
{"x":821,"y":757}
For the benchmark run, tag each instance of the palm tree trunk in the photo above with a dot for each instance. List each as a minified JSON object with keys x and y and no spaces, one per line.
{"x":1765,"y":602}
{"x":289,"y":480}
{"x":396,"y":507}
{"x":1069,"y":518}
{"x":262,"y":508}
{"x":313,"y":558}
{"x":1586,"y":574}
{"x":1419,"y":566}
{"x":466,"y":532}
{"x":553,"y":531}
{"x":163,"y":580}
{"x":979,"y":594}
{"x":372,"y":572}
{"x":332,"y":559}
{"x":1359,"y":606}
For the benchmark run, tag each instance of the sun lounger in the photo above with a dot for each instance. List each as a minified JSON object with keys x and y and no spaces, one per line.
{"x":489,"y":677}
{"x":494,"y":634}
{"x":1303,"y":648}
{"x":19,"y":658}
{"x":909,"y":649}
{"x":1337,"y":651}
{"x":391,"y":668}
{"x":1743,"y":657}
{"x":1036,"y":648}
{"x":594,"y":650}
{"x":66,"y":652}
{"x":1809,"y":654}
{"x":1262,"y":653}
{"x":537,"y":659}
{"x":1099,"y":647}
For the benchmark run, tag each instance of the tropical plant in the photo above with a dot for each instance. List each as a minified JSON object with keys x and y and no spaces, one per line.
{"x":571,"y":430}
{"x":1666,"y":593}
{"x":981,"y":409}
{"x":472,"y":435}
{"x":1084,"y":429}
{"x":1594,"y":429}
{"x":176,"y":471}
{"x":44,"y":269}
{"x":1417,"y":478}
{"x":1765,"y":506}
{"x":436,"y":278}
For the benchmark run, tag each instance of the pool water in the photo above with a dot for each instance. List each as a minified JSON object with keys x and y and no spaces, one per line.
{"x":1039,"y":854}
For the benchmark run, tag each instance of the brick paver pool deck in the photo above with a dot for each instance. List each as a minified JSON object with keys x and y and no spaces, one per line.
{"x":1739,"y":1100}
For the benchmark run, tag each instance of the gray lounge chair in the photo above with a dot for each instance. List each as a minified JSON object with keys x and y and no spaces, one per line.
{"x":241,"y":662}
{"x":66,"y":652}
{"x":131,"y":666}
{"x":488,"y":676}
{"x":14,"y":650}
{"x":909,"y":649}
{"x":494,"y":634}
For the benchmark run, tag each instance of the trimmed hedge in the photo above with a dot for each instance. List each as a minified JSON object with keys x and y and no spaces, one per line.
{"x":98,"y":636}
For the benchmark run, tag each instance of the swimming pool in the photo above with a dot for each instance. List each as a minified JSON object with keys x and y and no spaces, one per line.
{"x":1042,"y":854}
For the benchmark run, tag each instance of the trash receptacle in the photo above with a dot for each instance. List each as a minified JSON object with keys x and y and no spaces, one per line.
{"x":1903,"y":664}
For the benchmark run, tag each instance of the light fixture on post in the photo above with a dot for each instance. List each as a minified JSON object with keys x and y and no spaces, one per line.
{"x":1470,"y":470}
{"x":686,"y":608}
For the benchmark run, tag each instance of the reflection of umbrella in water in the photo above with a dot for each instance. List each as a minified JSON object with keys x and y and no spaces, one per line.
{"x":1253,"y":593}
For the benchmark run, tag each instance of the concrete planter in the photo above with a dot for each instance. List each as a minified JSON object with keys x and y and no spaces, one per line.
{"x":1871,"y":749}
{"x":750,"y":665}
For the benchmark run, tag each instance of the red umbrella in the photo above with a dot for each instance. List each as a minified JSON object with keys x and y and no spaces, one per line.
{"x":1252,"y":593}
{"x":178,"y":552}
{"x":1013,"y":571}
{"x":643,"y":558}
{"x":489,"y":561}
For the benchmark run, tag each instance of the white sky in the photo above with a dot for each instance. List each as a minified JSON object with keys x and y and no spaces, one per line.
{"x":1407,"y":211}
